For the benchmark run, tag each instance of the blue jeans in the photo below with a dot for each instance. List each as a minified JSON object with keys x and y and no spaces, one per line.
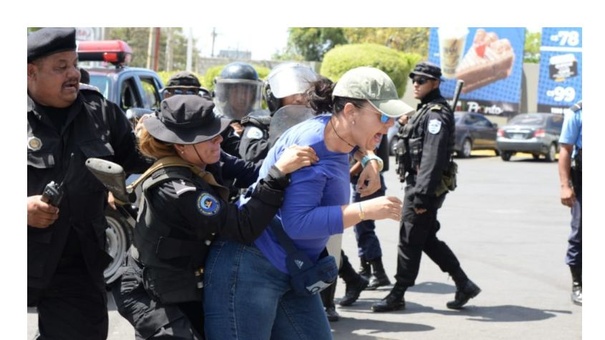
{"x":246,"y":297}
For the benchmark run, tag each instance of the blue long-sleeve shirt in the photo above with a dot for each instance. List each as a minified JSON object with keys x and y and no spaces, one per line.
{"x":311,"y":211}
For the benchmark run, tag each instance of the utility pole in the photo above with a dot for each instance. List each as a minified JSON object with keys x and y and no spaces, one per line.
{"x":213,"y":34}
{"x":149,"y":47}
{"x":156,"y":50}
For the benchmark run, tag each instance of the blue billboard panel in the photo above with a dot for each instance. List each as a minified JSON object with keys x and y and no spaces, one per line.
{"x":560,"y":80}
{"x":490,"y":62}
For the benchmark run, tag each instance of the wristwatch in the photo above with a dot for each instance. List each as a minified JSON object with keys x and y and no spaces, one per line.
{"x":368,"y":158}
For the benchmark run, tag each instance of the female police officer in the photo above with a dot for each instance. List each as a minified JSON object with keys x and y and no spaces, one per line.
{"x":184,"y":205}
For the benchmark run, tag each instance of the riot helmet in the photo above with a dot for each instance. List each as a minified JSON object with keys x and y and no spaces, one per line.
{"x":285,"y":80}
{"x":237,"y":90}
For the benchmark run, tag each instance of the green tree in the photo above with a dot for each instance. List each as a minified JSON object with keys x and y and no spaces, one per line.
{"x":404,"y":39}
{"x":311,"y":43}
{"x":394,"y":63}
{"x":531,"y":51}
{"x":138,"y":39}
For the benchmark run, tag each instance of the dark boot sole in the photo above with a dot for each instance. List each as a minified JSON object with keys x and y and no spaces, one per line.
{"x":381,"y":309}
{"x":454,"y":305}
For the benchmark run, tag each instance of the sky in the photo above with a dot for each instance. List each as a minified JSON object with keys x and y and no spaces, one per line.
{"x":259,"y":40}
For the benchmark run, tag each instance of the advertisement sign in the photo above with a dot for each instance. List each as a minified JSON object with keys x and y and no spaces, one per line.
{"x":488,"y":59}
{"x":560,"y":80}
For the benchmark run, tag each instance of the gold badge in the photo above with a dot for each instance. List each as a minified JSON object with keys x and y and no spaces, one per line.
{"x":34,"y":143}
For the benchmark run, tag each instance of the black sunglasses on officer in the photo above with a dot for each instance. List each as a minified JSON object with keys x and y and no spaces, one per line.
{"x":420,"y":80}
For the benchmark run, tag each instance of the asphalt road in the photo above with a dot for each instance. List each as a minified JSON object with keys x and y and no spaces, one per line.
{"x":509,"y":231}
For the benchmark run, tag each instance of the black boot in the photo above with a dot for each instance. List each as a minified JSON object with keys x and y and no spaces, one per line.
{"x":355,"y":283}
{"x":365,"y":269}
{"x":379,"y":277}
{"x":393,"y":301}
{"x":463,"y":294}
{"x":327,"y":298}
{"x":576,"y":286}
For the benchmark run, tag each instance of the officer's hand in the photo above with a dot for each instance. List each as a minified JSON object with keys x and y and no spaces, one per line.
{"x":238,"y":128}
{"x":111,"y":201}
{"x":295,"y":157}
{"x":419,"y":211}
{"x":568,"y":196}
{"x":382,"y":207}
{"x":369,"y":180}
{"x":39,"y":213}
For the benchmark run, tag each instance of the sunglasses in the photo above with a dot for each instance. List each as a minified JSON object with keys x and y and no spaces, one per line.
{"x":383,"y":118}
{"x":420,"y":80}
{"x":184,"y":91}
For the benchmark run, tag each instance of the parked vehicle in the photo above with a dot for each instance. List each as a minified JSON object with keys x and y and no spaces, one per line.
{"x":474,"y":132}
{"x":137,"y":91}
{"x":535,"y":133}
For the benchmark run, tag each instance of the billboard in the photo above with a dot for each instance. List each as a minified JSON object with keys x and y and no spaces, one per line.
{"x":488,"y":59}
{"x":560,"y":79}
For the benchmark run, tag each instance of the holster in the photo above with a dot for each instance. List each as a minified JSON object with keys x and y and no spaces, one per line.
{"x":448,"y":179}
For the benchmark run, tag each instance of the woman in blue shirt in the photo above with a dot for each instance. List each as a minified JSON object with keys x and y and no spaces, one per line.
{"x":247,"y":292}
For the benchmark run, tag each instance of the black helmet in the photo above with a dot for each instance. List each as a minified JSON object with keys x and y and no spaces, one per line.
{"x":237,"y":90}
{"x":239,"y":70}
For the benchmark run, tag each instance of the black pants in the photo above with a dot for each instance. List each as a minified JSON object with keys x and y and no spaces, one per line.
{"x":152,"y":319}
{"x":417,"y":234}
{"x":74,"y":306}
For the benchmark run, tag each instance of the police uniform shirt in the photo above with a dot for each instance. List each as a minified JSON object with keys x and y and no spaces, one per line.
{"x":437,"y":127}
{"x":196,"y":205}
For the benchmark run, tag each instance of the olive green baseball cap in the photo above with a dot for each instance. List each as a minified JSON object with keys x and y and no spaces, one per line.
{"x":373,"y":85}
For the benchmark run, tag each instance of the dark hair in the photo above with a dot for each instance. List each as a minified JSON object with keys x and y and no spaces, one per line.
{"x":321,"y":100}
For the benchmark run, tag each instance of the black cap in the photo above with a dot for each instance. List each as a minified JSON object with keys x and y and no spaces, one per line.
{"x":427,"y":69}
{"x":183,"y":79}
{"x":50,"y":40}
{"x":186,"y":119}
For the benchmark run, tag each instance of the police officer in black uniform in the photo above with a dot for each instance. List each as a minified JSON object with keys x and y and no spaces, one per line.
{"x":237,"y":92}
{"x":184,"y":206}
{"x":66,"y":226}
{"x":286,"y":85}
{"x":429,"y":140}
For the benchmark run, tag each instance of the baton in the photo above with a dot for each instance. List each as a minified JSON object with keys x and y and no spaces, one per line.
{"x":457,"y":91}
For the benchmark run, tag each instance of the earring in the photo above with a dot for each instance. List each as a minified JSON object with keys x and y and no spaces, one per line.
{"x":353,"y":122}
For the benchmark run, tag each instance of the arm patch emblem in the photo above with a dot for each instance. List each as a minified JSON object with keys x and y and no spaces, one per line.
{"x":434,"y":126}
{"x":207,"y":204}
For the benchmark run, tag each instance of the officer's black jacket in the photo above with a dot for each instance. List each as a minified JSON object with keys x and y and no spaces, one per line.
{"x":181,"y":214}
{"x":94,"y":127}
{"x":434,"y":132}
{"x":254,"y":143}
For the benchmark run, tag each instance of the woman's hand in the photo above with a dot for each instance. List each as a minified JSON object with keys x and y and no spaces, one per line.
{"x":295,"y":157}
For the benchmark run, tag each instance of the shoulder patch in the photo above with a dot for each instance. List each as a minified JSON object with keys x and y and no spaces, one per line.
{"x":181,"y":187}
{"x":434,"y":126}
{"x":254,"y":133}
{"x":436,"y":107}
{"x":207,"y":204}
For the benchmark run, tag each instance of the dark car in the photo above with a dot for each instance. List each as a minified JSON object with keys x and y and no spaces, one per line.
{"x":129,"y":87}
{"x":474,"y":132}
{"x":535,"y":133}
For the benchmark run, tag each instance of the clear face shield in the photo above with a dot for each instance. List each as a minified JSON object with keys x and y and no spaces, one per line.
{"x":235,"y":98}
{"x":291,"y":78}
